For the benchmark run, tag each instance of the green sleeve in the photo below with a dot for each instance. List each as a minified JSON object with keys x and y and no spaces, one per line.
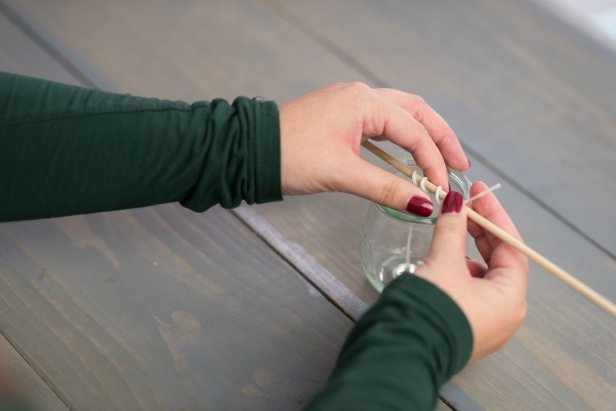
{"x":70,"y":150}
{"x":400,"y":352}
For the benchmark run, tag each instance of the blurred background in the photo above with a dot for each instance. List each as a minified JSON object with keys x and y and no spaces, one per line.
{"x":599,"y":16}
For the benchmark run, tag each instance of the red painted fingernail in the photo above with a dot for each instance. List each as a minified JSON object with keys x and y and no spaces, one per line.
{"x":452,"y":203}
{"x":420,"y":206}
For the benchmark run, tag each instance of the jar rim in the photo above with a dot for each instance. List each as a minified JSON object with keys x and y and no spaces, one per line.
{"x":458,"y":181}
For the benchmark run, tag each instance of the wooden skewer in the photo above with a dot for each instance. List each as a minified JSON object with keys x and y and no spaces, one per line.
{"x":578,"y":286}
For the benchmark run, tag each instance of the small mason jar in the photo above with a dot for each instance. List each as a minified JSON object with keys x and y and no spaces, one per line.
{"x":394,"y":242}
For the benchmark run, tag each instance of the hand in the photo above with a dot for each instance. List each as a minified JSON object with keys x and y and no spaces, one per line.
{"x":321,"y":133}
{"x":493,"y":298}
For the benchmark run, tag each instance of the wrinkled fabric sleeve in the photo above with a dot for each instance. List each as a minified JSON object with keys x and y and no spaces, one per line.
{"x":69,"y":150}
{"x":400,"y":353}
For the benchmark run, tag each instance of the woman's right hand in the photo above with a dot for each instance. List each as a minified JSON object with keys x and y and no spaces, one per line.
{"x":491,"y":295}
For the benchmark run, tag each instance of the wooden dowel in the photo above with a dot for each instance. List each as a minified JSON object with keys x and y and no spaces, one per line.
{"x":489,"y":226}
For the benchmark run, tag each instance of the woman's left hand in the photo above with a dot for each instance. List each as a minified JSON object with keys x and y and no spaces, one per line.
{"x":321,"y":133}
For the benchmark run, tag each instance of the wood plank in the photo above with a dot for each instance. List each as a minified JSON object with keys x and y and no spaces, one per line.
{"x":133,"y":51}
{"x":28,"y":384}
{"x":441,"y":406}
{"x":161,"y":308}
{"x":20,"y":54}
{"x":521,"y":375}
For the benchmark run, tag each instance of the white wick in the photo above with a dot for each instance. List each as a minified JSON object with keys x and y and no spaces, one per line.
{"x":489,"y":190}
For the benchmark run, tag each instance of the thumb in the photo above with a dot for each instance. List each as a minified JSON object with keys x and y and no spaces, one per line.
{"x":449,"y":240}
{"x":376,"y":184}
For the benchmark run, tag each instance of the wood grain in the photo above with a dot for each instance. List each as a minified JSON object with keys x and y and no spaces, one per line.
{"x":161,"y":308}
{"x":512,"y":80}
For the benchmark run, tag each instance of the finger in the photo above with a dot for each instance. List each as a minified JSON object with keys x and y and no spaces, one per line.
{"x":474,"y":229}
{"x":438,"y":129}
{"x":449,"y":240}
{"x":425,"y":153}
{"x":481,"y":241}
{"x":489,"y":207}
{"x":398,"y":126}
{"x":484,"y":247}
{"x":369,"y":181}
{"x":496,"y":253}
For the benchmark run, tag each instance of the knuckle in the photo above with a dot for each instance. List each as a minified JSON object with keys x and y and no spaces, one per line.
{"x":358,"y":86}
{"x":356,"y":95}
{"x":418,"y":100}
{"x":358,"y":91}
{"x":419,"y":106}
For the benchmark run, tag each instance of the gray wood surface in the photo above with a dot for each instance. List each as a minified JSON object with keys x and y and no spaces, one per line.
{"x":513,"y":81}
{"x":27,"y":384}
{"x":20,"y":54}
{"x":163,"y":309}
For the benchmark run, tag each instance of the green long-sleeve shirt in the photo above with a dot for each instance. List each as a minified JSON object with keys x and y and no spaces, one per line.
{"x":400,"y":352}
{"x":68,"y":150}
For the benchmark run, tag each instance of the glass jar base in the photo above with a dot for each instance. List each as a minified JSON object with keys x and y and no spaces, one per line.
{"x":389,"y":270}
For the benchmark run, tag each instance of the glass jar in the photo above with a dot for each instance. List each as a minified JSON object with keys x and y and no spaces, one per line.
{"x":394,"y":242}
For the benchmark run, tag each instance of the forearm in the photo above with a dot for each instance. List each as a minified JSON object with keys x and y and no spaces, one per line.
{"x":400,"y":352}
{"x":68,"y":150}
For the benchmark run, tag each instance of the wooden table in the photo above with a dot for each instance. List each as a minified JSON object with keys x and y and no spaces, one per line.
{"x":161,"y":308}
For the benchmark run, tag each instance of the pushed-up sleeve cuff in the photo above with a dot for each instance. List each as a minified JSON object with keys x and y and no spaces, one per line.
{"x":266,"y":152}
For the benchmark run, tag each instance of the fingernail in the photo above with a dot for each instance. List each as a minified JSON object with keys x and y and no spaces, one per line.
{"x":420,"y":206}
{"x":452,"y":203}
